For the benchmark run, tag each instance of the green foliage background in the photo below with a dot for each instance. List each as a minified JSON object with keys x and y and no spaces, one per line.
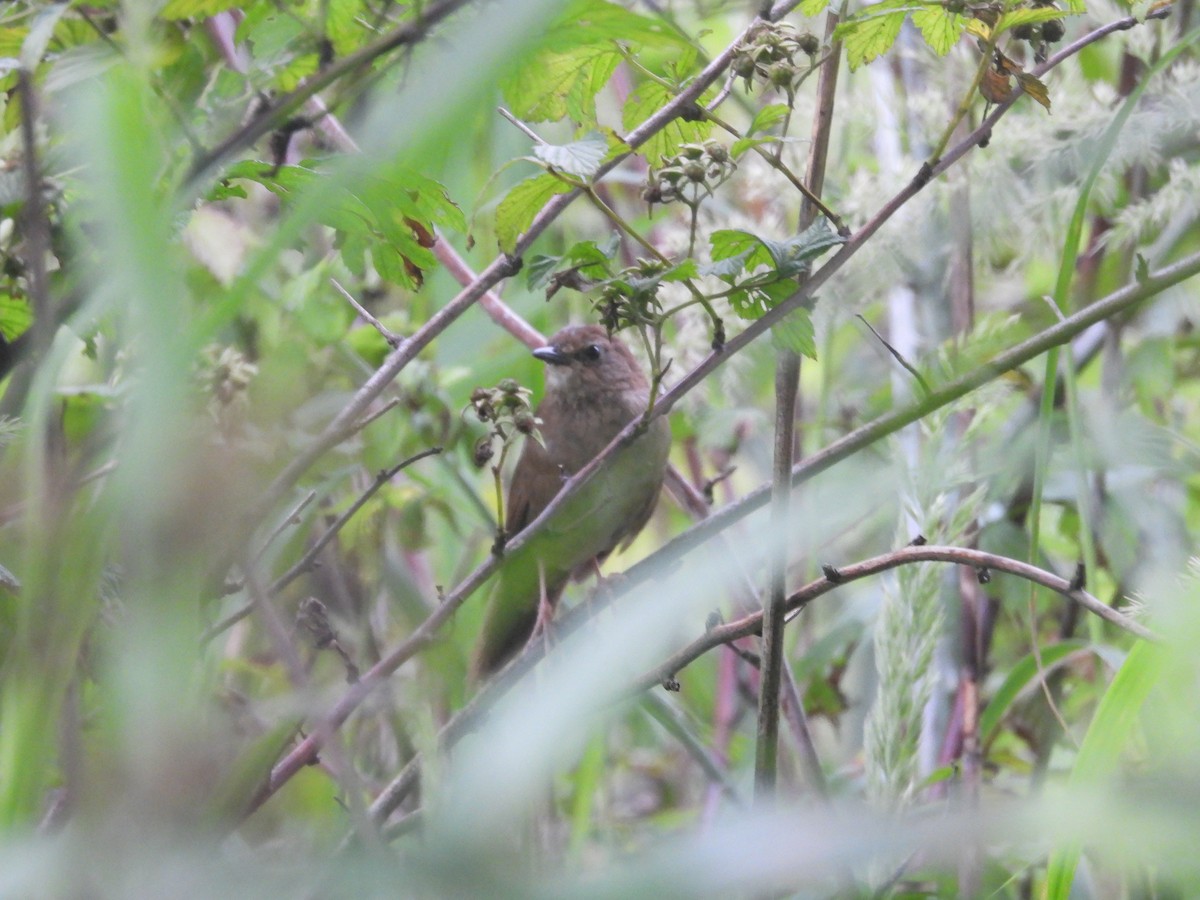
{"x":1002,"y":360}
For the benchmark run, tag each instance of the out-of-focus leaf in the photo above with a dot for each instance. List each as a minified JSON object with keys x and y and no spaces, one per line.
{"x":342,"y":26}
{"x":15,"y":316}
{"x":40,"y":33}
{"x":1112,"y":728}
{"x":1021,"y":677}
{"x":196,"y":9}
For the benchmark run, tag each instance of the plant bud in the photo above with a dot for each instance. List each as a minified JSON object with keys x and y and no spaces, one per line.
{"x":483,"y":451}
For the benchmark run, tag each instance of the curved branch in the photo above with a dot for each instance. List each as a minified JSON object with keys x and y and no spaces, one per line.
{"x":799,"y":599}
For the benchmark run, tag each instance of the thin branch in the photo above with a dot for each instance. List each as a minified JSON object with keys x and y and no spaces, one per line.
{"x":34,"y":217}
{"x":306,"y":562}
{"x":499,"y":311}
{"x":292,"y":518}
{"x":908,"y":367}
{"x":272,"y":116}
{"x":978,"y":559}
{"x":393,"y":340}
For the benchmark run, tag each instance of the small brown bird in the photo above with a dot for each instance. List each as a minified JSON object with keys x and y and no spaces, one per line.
{"x":594,"y":388}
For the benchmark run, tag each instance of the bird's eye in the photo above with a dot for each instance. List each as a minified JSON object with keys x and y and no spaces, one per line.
{"x":590,"y":353}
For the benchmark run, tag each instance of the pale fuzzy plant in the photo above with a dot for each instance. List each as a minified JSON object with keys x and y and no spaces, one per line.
{"x":1177,"y":201}
{"x":912,"y":618}
{"x":1025,"y":186}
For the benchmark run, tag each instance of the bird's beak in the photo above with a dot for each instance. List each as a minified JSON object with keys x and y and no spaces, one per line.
{"x":551,"y":354}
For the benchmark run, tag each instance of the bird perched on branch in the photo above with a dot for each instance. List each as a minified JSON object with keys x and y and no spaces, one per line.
{"x":594,"y":388}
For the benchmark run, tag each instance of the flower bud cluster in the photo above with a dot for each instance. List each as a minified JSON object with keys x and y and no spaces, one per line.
{"x":695,"y":171}
{"x":508,"y":410}
{"x":768,"y":55}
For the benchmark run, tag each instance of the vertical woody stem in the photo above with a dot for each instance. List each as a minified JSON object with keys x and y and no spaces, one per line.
{"x":787,"y":380}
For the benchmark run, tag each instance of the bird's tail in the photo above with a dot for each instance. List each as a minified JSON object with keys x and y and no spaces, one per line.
{"x":510,"y":619}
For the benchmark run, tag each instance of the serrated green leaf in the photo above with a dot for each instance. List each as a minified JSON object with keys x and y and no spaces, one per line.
{"x":741,"y":145}
{"x":196,"y":9}
{"x":523,"y":202}
{"x":940,"y":28}
{"x":342,"y":26}
{"x":584,"y":21}
{"x":792,"y":256}
{"x":581,"y":97}
{"x":591,"y":253}
{"x":794,"y":332}
{"x":729,"y":243}
{"x":538,"y":269}
{"x":539,"y":93}
{"x":768,"y":117}
{"x":871,"y":34}
{"x":646,"y":100}
{"x":728,"y":268}
{"x":15,"y":316}
{"x":682,"y":272}
{"x":575,"y":59}
{"x":581,"y":158}
{"x":1017,"y":17}
{"x":813,"y":8}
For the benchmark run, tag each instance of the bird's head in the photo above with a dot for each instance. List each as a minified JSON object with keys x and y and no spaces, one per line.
{"x":584,"y":360}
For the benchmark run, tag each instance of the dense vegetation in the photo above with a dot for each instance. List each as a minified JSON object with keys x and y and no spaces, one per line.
{"x":914,"y":283}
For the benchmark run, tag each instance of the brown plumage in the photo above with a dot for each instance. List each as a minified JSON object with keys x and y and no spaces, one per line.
{"x":594,"y":388}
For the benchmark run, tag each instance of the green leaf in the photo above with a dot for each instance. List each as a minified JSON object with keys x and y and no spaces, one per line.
{"x":342,"y":25}
{"x":872,"y":34}
{"x":1021,"y":678}
{"x":1017,"y":17}
{"x":767,"y":118}
{"x":727,"y":244}
{"x":581,"y":96}
{"x":540,"y":93}
{"x":15,"y":316}
{"x":34,"y":45}
{"x":1111,"y":730}
{"x":741,"y":145}
{"x":791,"y":257}
{"x":647,"y":99}
{"x":581,"y":158}
{"x":575,"y":59}
{"x":940,"y":28}
{"x":787,"y":258}
{"x":196,"y":9}
{"x":682,"y":272}
{"x":794,"y":332}
{"x":523,"y":202}
{"x":812,"y":8}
